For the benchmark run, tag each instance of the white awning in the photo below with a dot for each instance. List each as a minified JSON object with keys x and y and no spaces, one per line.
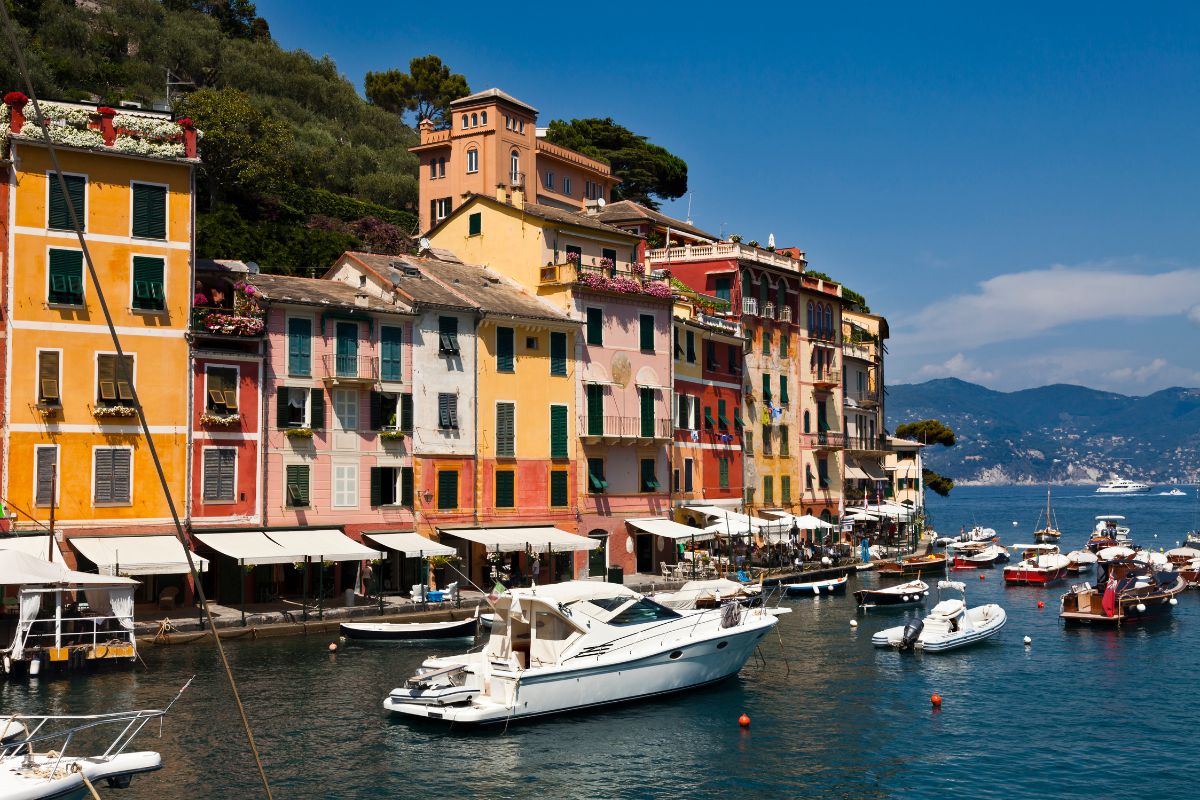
{"x":538,"y":539}
{"x":669,"y":529}
{"x":873,"y":470}
{"x":409,"y":543}
{"x":36,"y":546}
{"x":284,"y":547}
{"x":854,"y":473}
{"x":22,"y":569}
{"x":136,"y":555}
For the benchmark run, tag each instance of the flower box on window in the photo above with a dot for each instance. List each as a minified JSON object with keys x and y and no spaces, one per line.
{"x":220,"y":419}
{"x":298,"y":433}
{"x":111,"y":412}
{"x":391,"y":436}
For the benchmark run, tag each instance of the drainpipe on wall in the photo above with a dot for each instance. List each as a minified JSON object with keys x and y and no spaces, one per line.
{"x":264,"y":420}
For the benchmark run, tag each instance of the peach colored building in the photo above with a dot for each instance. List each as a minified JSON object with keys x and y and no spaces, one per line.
{"x":492,"y":147}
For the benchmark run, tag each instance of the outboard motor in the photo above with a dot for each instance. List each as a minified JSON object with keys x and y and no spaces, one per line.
{"x":912,"y":632}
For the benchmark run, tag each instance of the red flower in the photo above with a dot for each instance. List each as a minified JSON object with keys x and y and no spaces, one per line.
{"x":105,"y":111}
{"x":186,"y":122}
{"x":17,"y":99}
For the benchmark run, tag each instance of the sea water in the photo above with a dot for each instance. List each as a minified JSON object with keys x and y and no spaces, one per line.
{"x":1080,"y":713}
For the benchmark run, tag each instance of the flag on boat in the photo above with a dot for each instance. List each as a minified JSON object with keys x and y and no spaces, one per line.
{"x":497,"y":590}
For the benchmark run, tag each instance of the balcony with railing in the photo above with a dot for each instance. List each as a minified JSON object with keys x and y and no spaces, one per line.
{"x":823,"y":440}
{"x":606,"y":276}
{"x":769,"y":310}
{"x":595,"y":428}
{"x":864,"y":351}
{"x":867,"y":444}
{"x":827,"y":379}
{"x":227,"y":322}
{"x":663,"y":256}
{"x":349,"y":369}
{"x":750,"y":306}
{"x":785,"y":314}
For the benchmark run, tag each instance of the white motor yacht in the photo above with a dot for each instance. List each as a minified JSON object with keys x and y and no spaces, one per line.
{"x":580,"y":644}
{"x":1122,"y":486}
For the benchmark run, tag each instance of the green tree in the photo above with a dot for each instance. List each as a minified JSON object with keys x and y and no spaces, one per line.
{"x":649,"y":173}
{"x":237,"y":18}
{"x":244,"y":151}
{"x":927,"y":431}
{"x":428,"y":88}
{"x":937,"y":482}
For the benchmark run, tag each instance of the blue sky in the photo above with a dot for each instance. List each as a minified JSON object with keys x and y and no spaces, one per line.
{"x":1015,"y":188}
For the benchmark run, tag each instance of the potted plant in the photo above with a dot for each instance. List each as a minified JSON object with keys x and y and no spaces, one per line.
{"x":735,"y":238}
{"x":298,"y":433}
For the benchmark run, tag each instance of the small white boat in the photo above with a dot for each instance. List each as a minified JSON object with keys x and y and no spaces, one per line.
{"x":1123,"y":486}
{"x":978,"y":534}
{"x":948,"y":626}
{"x":830,"y":586}
{"x":906,"y":594}
{"x":1173,"y":493}
{"x":410,"y":631}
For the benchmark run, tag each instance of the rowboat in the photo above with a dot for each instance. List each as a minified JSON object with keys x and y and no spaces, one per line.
{"x":830,"y":586}
{"x":913,"y":565}
{"x":901,"y":596}
{"x":949,"y":625}
{"x":409,"y":631}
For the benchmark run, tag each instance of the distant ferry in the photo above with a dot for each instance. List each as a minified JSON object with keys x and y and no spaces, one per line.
{"x":1123,"y":487}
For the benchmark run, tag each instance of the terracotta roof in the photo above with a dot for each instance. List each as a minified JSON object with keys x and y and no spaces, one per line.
{"x":492,"y":94}
{"x":552,"y":214}
{"x":318,"y":292}
{"x":629,"y":211}
{"x":451,"y":283}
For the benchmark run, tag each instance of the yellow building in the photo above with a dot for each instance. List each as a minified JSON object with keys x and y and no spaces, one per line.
{"x":69,"y":401}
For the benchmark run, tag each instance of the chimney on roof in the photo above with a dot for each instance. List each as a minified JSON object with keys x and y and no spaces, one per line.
{"x":361,"y":299}
{"x":426,"y":129}
{"x":501,"y":193}
{"x":593,"y":206}
{"x":518,"y":196}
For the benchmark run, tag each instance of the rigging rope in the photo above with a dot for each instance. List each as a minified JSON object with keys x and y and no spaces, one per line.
{"x":141,"y":414}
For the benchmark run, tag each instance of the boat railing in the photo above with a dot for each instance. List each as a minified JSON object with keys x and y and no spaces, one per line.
{"x":25,"y":636}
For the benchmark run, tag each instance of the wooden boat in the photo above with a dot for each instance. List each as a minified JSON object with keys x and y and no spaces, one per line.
{"x":913,"y":565}
{"x":976,"y":555}
{"x":949,"y":625}
{"x":830,"y":586}
{"x":1190,"y":573}
{"x":1139,"y":593}
{"x":409,"y":631}
{"x":1109,"y":532}
{"x":1040,"y":564}
{"x":901,"y":596}
{"x":1049,"y":534}
{"x":1182,"y":555}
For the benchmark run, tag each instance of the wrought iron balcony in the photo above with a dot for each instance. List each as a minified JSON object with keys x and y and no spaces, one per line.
{"x":827,"y":378}
{"x":867,"y":444}
{"x":785,"y":314}
{"x":349,"y":369}
{"x":750,"y":306}
{"x":823,"y":440}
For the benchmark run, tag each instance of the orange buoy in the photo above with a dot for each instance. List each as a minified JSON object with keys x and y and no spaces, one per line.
{"x":982,"y":577}
{"x":333,"y":647}
{"x":744,"y":720}
{"x":936,"y":700}
{"x":1041,"y":604}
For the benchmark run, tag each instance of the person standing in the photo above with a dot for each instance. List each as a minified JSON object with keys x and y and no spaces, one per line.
{"x":537,"y":568}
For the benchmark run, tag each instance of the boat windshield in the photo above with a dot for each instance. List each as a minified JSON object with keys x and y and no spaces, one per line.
{"x":644,"y":611}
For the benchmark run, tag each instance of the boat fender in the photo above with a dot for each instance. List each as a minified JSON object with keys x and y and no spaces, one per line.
{"x":744,"y":720}
{"x":853,"y":623}
{"x":912,"y":632}
{"x":1173,"y":601}
{"x":333,"y":647}
{"x":1028,"y":641}
{"x":1141,"y":607}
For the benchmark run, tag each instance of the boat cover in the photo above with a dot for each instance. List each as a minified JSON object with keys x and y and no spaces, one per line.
{"x":409,"y":543}
{"x":137,"y":555}
{"x":21,"y":569}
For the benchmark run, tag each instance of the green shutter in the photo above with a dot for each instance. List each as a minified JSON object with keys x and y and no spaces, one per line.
{"x":723,"y":466}
{"x":296,"y":489}
{"x":558,"y":354}
{"x":709,"y":422}
{"x":785,"y":489}
{"x":504,"y":349}
{"x":406,"y":413}
{"x":595,"y":409}
{"x":316,"y":416}
{"x":647,"y":396}
{"x":148,"y":279}
{"x":447,"y":490}
{"x":558,"y":432}
{"x":595,"y":326}
{"x":506,"y":446}
{"x":766,"y":388}
{"x":281,"y":407}
{"x":406,"y":487}
{"x":649,"y":480}
{"x":783,"y":390}
{"x":376,"y":486}
{"x":346,"y":349}
{"x":390,"y":340}
{"x":722,"y":420}
{"x":475,"y":224}
{"x":596,"y":482}
{"x":376,"y":405}
{"x":768,"y":489}
{"x":59,"y":218}
{"x":559,"y":496}
{"x":149,"y":211}
{"x":299,"y":346}
{"x":647,"y":332}
{"x":66,"y":277}
{"x":506,"y":489}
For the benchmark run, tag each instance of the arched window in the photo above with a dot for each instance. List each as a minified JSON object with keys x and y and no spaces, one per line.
{"x":826,"y":516}
{"x":472,"y":160}
{"x":515,"y":167}
{"x":474,"y":120}
{"x":764,"y":290}
{"x":828,"y":321}
{"x":811,"y":330}
{"x":464,"y":120}
{"x":441,"y":167}
{"x":483,"y":118}
{"x":807,"y":422}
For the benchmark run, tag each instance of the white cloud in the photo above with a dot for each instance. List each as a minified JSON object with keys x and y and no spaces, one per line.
{"x":957,"y":366}
{"x":1022,"y":305}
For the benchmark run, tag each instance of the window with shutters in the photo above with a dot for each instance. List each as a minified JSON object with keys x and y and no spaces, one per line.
{"x":768,"y":490}
{"x":559,"y":447}
{"x":149,"y":211}
{"x":595,"y":326}
{"x":506,"y":488}
{"x":558,"y":354}
{"x":390,"y":343}
{"x":112,"y":470}
{"x":766,"y":392}
{"x":722,"y":420}
{"x":295,"y":406}
{"x":687,"y":474}
{"x":385,"y":411}
{"x":59,"y":217}
{"x":391,"y":486}
{"x":595,"y":409}
{"x":710,"y":356}
{"x":709,"y":422}
{"x":346,"y":349}
{"x":345,"y":485}
{"x":597,"y":483}
{"x":649,"y":480}
{"x":723,"y":472}
{"x":505,"y":347}
{"x":735,"y":360}
{"x":766,"y":343}
{"x":475,"y":224}
{"x":406,"y":413}
{"x":148,"y":283}
{"x":646,"y":331}
{"x":221,"y":389}
{"x":722,"y":290}
{"x":49,"y":377}
{"x":823,"y":472}
{"x":506,"y":437}
{"x":690,"y":342}
{"x":678,"y":346}
{"x":785,"y":341}
{"x":296,"y":485}
{"x":560,"y":496}
{"x":220,"y":474}
{"x":766,"y":440}
{"x":683,"y":405}
{"x":299,"y":346}
{"x":65,"y":277}
{"x":785,"y":489}
{"x":783,"y":390}
{"x":784,"y":447}
{"x":448,"y":412}
{"x":647,"y":398}
{"x":447,"y":489}
{"x":448,"y":336}
{"x":114,"y":380}
{"x":45,"y":471}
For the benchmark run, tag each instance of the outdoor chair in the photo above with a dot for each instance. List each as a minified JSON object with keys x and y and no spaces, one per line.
{"x":667,"y":569}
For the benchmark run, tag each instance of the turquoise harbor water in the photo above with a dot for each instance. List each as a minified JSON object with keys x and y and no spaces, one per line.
{"x":1082,"y":713}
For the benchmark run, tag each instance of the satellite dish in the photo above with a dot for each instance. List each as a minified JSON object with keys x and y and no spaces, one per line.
{"x":423,"y":244}
{"x":600,"y":202}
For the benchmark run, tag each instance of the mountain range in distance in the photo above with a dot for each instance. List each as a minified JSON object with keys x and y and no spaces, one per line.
{"x":1055,"y":434}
